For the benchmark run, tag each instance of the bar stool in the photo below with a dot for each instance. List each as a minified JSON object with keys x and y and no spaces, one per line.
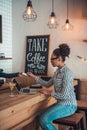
{"x":75,"y":121}
{"x":82,"y":106}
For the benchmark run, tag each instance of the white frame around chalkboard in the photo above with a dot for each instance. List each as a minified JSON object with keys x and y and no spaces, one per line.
{"x":37,"y":53}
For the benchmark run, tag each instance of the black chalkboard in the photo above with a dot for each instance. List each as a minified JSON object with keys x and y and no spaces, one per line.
{"x":37,"y":49}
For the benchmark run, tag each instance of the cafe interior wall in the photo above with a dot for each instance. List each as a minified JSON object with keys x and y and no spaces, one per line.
{"x":74,"y":38}
{"x":6,"y":45}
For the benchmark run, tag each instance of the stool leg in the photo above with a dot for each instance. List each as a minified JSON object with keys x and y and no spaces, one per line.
{"x":70,"y":128}
{"x":82,"y":124}
{"x":76,"y":127}
{"x":86,"y":117}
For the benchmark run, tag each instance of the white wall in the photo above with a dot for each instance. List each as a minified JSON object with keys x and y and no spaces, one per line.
{"x":6,"y":45}
{"x":21,"y":29}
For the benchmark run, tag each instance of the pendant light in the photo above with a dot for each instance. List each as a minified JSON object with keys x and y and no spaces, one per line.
{"x":52,"y":21}
{"x":82,"y":59}
{"x":67,"y":26}
{"x":29,"y":14}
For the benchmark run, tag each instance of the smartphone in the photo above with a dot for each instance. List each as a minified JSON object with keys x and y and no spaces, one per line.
{"x":24,"y":74}
{"x":36,"y":86}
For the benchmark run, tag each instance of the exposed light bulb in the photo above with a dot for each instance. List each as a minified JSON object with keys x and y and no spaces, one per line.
{"x":67,"y":26}
{"x":29,"y":14}
{"x":29,"y":10}
{"x":52,"y":21}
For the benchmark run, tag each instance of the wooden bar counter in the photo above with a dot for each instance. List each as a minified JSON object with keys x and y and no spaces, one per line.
{"x":21,"y":110}
{"x":16,"y":112}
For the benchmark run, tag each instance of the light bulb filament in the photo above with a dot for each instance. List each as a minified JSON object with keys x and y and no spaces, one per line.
{"x":52,"y":20}
{"x":67,"y":25}
{"x":29,"y":10}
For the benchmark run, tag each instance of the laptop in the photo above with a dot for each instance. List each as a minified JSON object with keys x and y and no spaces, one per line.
{"x":21,"y":90}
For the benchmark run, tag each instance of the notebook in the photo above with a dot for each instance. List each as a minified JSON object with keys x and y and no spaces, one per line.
{"x":21,"y":90}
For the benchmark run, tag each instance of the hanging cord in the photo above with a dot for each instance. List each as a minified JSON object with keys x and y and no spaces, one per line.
{"x":67,"y":8}
{"x":52,"y":5}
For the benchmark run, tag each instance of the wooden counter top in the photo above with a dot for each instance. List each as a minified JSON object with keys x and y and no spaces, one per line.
{"x":20,"y":110}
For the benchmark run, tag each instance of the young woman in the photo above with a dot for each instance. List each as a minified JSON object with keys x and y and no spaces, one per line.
{"x":63,"y":89}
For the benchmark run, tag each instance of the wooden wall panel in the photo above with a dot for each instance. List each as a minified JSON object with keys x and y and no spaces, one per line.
{"x":78,"y":9}
{"x":83,"y":89}
{"x":84,"y":9}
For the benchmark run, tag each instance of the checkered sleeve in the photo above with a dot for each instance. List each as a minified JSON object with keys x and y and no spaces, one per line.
{"x":44,"y":83}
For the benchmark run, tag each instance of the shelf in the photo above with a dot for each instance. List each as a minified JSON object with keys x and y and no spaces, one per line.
{"x":85,"y":40}
{"x":7,"y":58}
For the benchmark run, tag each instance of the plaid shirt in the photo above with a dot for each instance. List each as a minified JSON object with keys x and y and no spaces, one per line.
{"x":63,"y":86}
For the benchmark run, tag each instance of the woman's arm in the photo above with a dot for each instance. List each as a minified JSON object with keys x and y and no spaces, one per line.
{"x":41,"y":81}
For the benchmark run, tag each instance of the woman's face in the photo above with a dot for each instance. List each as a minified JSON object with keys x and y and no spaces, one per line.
{"x":55,"y":61}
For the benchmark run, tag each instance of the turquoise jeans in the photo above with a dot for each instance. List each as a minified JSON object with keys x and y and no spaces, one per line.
{"x":53,"y":112}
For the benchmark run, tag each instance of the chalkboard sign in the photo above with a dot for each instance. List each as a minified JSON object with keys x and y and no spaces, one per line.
{"x":37,"y":54}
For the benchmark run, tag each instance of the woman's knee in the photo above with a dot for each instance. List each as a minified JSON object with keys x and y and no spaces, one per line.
{"x":43,"y":120}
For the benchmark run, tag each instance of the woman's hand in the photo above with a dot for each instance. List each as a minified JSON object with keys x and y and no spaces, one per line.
{"x":46,"y":92}
{"x":31,"y":74}
{"x":20,"y":74}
